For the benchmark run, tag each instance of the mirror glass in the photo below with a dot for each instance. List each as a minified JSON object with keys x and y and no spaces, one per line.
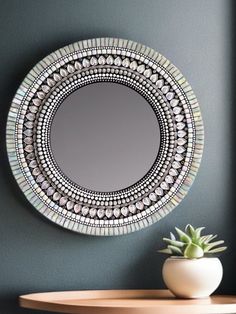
{"x":105,"y":136}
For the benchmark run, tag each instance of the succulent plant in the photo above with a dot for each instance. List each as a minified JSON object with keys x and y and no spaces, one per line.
{"x":191,"y":244}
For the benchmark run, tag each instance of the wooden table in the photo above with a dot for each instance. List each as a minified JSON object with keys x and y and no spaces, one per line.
{"x":125,"y":302}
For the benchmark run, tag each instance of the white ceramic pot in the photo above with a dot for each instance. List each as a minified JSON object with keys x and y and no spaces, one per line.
{"x":192,"y":278}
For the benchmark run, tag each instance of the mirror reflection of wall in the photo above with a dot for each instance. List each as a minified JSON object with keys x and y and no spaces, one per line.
{"x":105,"y":136}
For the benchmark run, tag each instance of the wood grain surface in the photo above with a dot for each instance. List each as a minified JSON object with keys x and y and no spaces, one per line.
{"x":126,"y":302}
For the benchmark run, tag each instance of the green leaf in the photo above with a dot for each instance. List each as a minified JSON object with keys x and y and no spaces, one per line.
{"x":217,"y":250}
{"x":204,"y":238}
{"x":198,"y":232}
{"x":175,"y":249}
{"x":210,"y":238}
{"x":172,"y":236}
{"x":191,"y":244}
{"x":207,"y":238}
{"x":183,"y":236}
{"x":189,"y":230}
{"x":174,"y":242}
{"x":209,"y":246}
{"x":165,"y":251}
{"x":193,"y":251}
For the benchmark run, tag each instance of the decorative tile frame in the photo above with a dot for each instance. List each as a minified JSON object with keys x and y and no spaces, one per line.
{"x":28,"y":136}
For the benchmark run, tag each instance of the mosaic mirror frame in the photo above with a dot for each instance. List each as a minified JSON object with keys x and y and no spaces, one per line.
{"x":104,"y":60}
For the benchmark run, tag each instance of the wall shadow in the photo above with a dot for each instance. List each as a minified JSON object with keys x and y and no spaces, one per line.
{"x":229,"y":258}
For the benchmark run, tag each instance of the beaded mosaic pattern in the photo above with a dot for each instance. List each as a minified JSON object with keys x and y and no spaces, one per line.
{"x":104,"y":60}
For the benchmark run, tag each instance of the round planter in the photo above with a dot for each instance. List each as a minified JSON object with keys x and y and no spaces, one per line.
{"x":192,"y":278}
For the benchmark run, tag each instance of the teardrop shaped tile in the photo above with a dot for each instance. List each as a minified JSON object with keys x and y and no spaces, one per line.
{"x":153,"y":197}
{"x":41,"y":95}
{"x":100,"y":213}
{"x":85,"y":210}
{"x":176,"y":165}
{"x":174,"y":102}
{"x":177,"y":110}
{"x":29,"y":124}
{"x":132,"y":208}
{"x":146,"y":201}
{"x":180,"y":149}
{"x":109,"y":212}
{"x":70,"y":205}
{"x":50,"y":191}
{"x":28,"y":140}
{"x":170,"y":95}
{"x":92,"y":212}
{"x":133,"y":65}
{"x":36,"y":101}
{"x":85,"y":63}
{"x":160,"y":83}
{"x":30,"y":116}
{"x":30,"y":156}
{"x":178,"y":157}
{"x":94,"y":61}
{"x":45,"y":88}
{"x":109,"y":60}
{"x":50,"y":82}
{"x":70,"y":68}
{"x":126,"y":63}
{"x":28,"y":132}
{"x":165,"y":89}
{"x":141,"y":68}
{"x":139,"y":205}
{"x":101,"y":60}
{"x":63,"y":200}
{"x":179,"y":117}
{"x":181,"y":133}
{"x":33,"y":109}
{"x":40,"y":178}
{"x":181,"y":141}
{"x":45,"y":185}
{"x":154,"y":78}
{"x":36,"y":172}
{"x":77,"y":208}
{"x":29,"y":148}
{"x":33,"y":164}
{"x":56,"y":77}
{"x":78,"y":65}
{"x":180,"y":125}
{"x":116,"y":212}
{"x":63,"y":72}
{"x":169,"y":179}
{"x":124,"y":211}
{"x":118,"y":61}
{"x":173,"y":172}
{"x":147,"y":73}
{"x":159,"y":191}
{"x":56,"y":196}
{"x":164,"y":185}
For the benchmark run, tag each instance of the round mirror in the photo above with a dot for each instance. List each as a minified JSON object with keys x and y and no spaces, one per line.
{"x":105,"y":136}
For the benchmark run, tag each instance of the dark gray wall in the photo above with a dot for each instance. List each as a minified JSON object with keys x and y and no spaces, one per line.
{"x":36,"y":255}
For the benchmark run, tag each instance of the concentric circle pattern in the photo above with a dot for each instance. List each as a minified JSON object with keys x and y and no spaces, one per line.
{"x":87,"y":62}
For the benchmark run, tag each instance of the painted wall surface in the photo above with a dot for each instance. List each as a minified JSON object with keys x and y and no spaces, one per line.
{"x":36,"y":255}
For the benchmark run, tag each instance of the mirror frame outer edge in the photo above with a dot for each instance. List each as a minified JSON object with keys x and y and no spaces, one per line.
{"x":33,"y":197}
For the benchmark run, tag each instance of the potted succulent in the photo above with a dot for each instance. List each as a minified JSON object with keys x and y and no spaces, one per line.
{"x":193,"y":270}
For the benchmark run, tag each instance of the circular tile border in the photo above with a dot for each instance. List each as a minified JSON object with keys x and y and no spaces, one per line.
{"x":28,"y":136}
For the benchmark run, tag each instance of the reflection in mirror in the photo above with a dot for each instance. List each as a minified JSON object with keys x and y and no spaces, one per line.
{"x":105,"y":136}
